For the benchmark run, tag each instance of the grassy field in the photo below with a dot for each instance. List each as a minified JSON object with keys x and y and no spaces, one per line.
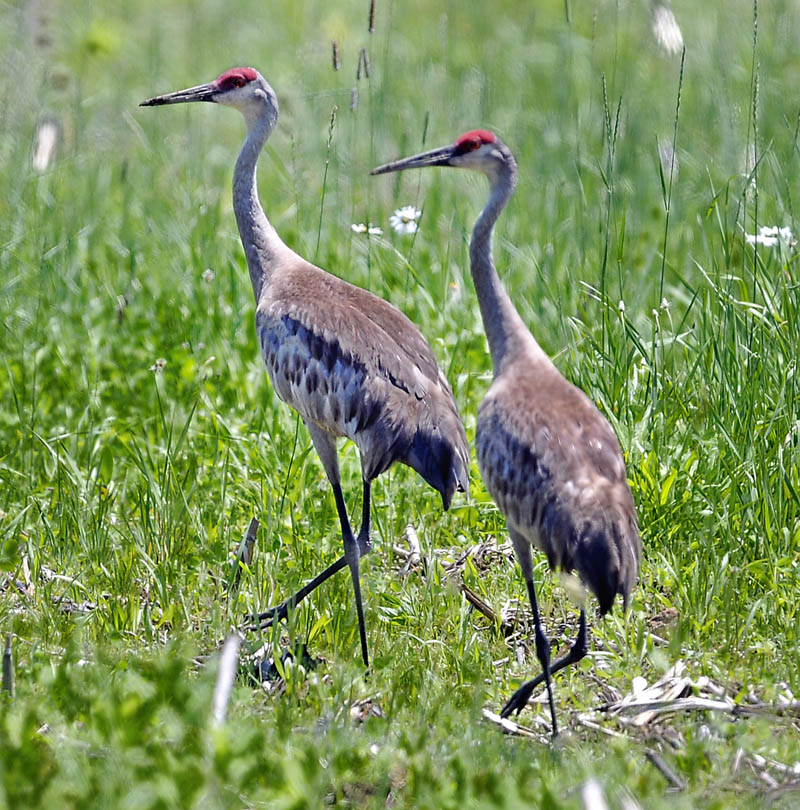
{"x":139,"y":433}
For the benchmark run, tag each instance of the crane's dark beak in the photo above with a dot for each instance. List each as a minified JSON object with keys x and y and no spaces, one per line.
{"x":436,"y":157}
{"x":203,"y":92}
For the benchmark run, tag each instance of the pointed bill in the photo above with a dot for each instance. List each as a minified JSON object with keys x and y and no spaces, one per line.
{"x":436,"y":157}
{"x":203,"y":92}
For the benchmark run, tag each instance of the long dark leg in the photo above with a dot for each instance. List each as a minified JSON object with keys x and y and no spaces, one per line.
{"x":542,"y":651}
{"x":363,"y":539}
{"x":276,"y":614}
{"x":522,"y":548}
{"x":352,"y":557}
{"x":579,"y":648}
{"x":353,"y":550}
{"x":326,"y":448}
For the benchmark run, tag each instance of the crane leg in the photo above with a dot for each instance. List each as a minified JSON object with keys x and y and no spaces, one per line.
{"x":522,"y":548}
{"x":579,"y":648}
{"x":279,"y":612}
{"x":354,"y":548}
{"x":364,"y":541}
{"x":352,"y":556}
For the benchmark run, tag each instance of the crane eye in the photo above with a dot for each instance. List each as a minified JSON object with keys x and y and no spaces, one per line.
{"x":238,"y":81}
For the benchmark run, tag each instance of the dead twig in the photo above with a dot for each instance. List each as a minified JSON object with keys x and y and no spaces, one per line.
{"x":646,"y":710}
{"x":478,"y":603}
{"x":8,"y":667}
{"x":244,"y":555}
{"x":584,"y":720}
{"x":676,"y":783}
{"x":413,"y":556}
{"x":510,"y":727}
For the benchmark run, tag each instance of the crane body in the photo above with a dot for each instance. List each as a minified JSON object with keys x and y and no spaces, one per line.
{"x":547,"y":456}
{"x":351,"y":364}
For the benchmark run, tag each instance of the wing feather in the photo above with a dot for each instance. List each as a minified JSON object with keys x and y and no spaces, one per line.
{"x":358,"y":367}
{"x":555,"y":468}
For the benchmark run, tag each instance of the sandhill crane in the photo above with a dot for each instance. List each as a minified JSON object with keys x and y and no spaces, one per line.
{"x":547,"y":456}
{"x":350,"y":363}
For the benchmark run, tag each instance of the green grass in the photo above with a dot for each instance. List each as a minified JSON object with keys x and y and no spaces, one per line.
{"x":124,"y":490}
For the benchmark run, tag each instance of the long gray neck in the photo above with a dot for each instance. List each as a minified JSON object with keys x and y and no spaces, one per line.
{"x":263,"y":247}
{"x":505,"y":330}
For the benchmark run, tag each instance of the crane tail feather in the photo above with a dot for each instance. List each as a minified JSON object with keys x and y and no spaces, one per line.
{"x":440,"y":462}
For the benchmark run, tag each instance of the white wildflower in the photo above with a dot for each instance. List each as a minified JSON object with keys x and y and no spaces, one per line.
{"x":621,"y":307}
{"x":208,"y":275}
{"x":665,"y":28}
{"x":372,"y":230}
{"x":44,"y":145}
{"x":771,"y":236}
{"x":404,"y":220}
{"x":158,"y":365}
{"x":664,"y":304}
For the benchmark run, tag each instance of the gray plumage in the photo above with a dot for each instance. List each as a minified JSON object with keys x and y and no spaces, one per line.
{"x":548,"y":457}
{"x":354,"y":365}
{"x":349,"y":362}
{"x":553,"y":465}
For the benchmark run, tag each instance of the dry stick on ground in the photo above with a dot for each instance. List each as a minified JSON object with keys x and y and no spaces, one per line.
{"x":244,"y":554}
{"x":413,"y":556}
{"x":483,"y":608}
{"x":61,"y":601}
{"x":675,"y":691}
{"x":702,"y":704}
{"x":586,"y":721}
{"x":8,"y":667}
{"x":760,"y":767}
{"x":510,"y":727}
{"x":661,"y":766}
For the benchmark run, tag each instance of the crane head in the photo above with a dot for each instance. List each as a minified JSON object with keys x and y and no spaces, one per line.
{"x":477,"y":149}
{"x":241,"y":87}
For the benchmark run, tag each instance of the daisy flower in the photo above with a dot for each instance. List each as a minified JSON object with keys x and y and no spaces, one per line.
{"x":666,"y":29}
{"x":404,"y":220}
{"x":372,"y":230}
{"x":770,"y":236}
{"x":44,"y":146}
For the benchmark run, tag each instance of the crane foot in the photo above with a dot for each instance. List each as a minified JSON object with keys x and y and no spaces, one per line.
{"x":579,"y":648}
